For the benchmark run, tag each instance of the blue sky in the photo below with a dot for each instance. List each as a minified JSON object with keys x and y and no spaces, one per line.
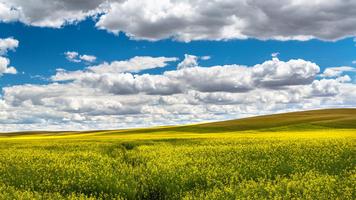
{"x":41,"y":50}
{"x":74,"y":65}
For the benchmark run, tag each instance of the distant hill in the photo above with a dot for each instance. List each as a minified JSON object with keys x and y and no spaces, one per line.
{"x":293,"y":121}
{"x":328,"y":118}
{"x":303,"y":120}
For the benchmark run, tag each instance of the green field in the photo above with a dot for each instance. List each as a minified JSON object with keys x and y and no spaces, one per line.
{"x":303,"y":155}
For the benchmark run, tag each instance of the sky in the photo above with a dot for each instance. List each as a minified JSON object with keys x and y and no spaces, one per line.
{"x":110,"y":64}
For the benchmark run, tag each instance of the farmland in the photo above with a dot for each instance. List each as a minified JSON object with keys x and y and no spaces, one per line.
{"x":308,"y":155}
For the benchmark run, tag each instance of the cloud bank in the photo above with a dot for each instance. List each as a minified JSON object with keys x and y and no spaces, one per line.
{"x":114,"y":95}
{"x":187,"y":20}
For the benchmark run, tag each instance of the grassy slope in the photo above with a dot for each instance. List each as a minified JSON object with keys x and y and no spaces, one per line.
{"x":294,"y":121}
{"x":315,"y":119}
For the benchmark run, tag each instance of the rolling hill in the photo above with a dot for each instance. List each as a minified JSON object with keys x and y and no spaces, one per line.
{"x":303,"y":120}
{"x":329,"y":118}
{"x":293,"y":121}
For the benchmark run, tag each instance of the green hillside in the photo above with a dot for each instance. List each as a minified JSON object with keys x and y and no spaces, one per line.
{"x":304,"y":120}
{"x":293,"y":121}
{"x":329,"y":118}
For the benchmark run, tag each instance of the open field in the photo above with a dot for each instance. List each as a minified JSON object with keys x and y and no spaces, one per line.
{"x":308,"y":155}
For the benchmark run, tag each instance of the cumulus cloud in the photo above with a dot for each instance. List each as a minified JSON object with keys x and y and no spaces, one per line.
{"x":275,"y":54}
{"x":189,"y":20}
{"x":87,"y":58}
{"x":134,"y":64}
{"x":325,"y":87}
{"x":232,"y":78}
{"x":337,"y":71}
{"x":5,"y":68}
{"x":74,"y":56}
{"x":190,"y":61}
{"x":236,"y":78}
{"x":113,"y":96}
{"x":205,"y":57}
{"x":231,"y":19}
{"x":275,"y":73}
{"x":6,"y":45}
{"x":55,"y":13}
{"x":8,"y":13}
{"x":229,"y":78}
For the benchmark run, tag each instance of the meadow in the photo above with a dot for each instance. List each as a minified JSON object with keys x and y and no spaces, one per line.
{"x":306,"y":155}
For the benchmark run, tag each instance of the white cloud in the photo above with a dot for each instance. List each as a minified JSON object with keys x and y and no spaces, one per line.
{"x":231,"y":19}
{"x":8,"y":14}
{"x":72,"y":56}
{"x":6,"y":45}
{"x":325,"y":87}
{"x":188,"y":20}
{"x":54,"y":13}
{"x":5,"y":68}
{"x":87,"y":58}
{"x":235,"y":78}
{"x":275,"y":54}
{"x":230,"y":78}
{"x":75,"y":57}
{"x":110,"y":96}
{"x":337,"y":71}
{"x":205,"y":57}
{"x":343,"y":79}
{"x":188,"y":62}
{"x":134,"y":64}
{"x":275,"y":73}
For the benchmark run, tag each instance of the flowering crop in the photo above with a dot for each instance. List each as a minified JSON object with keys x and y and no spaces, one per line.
{"x":180,"y":165}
